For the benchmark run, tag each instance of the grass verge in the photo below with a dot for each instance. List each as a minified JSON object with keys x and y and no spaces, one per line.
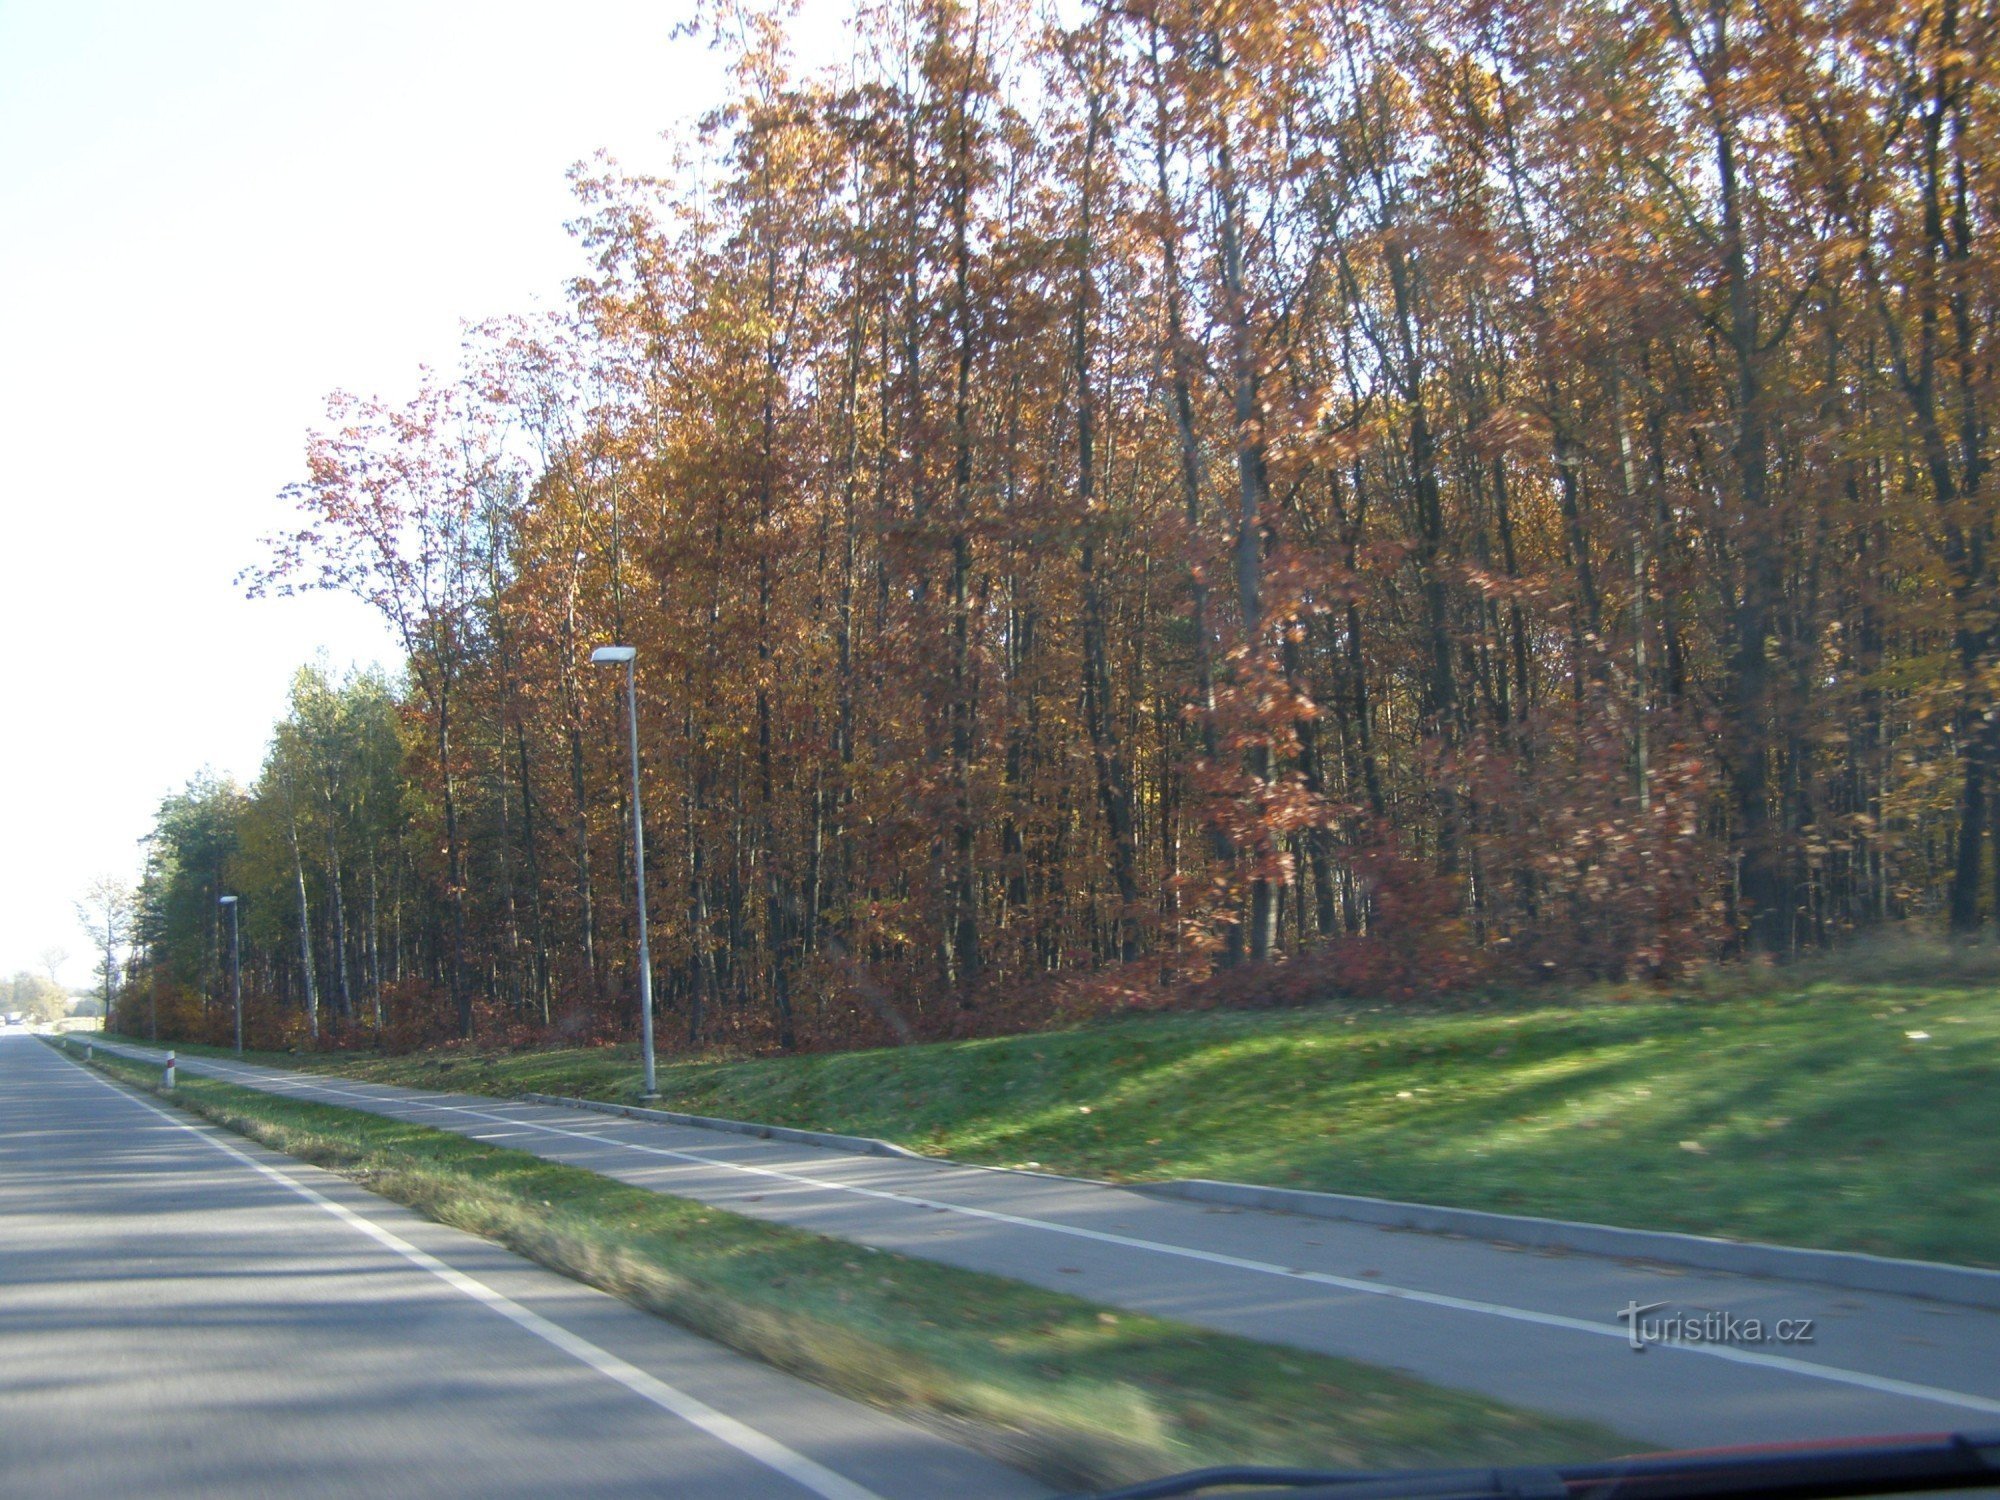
{"x":1831,"y":1105}
{"x":1073,"y":1392}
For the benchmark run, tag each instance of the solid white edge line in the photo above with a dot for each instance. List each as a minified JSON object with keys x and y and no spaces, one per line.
{"x":746,"y":1440}
{"x":1834,"y":1374}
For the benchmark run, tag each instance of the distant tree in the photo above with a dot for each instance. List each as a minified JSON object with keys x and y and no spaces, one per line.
{"x":190,"y":860}
{"x":37,"y":998}
{"x":106,"y":912}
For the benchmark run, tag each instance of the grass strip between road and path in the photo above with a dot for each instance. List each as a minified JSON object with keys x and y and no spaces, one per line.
{"x":1840,"y":1104}
{"x":1070,"y":1391}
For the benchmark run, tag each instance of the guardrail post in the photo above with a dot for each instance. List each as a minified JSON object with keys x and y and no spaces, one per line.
{"x":167,"y":1078}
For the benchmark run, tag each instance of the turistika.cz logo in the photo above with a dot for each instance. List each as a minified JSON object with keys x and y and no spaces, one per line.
{"x":1642,"y":1330}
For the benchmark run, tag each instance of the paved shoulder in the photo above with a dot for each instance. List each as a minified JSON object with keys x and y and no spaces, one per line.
{"x":185,"y":1314}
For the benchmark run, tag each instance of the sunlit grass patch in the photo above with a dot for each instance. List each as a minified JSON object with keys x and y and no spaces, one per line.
{"x":1845,"y":1105}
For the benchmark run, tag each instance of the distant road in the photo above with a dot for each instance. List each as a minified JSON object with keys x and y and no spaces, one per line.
{"x":184,"y":1314}
{"x":1537,"y":1329}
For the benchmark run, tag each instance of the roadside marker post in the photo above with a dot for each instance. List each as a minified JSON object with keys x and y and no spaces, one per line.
{"x":167,"y":1077}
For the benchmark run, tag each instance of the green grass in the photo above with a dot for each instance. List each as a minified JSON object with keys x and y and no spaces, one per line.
{"x":1072,"y":1391}
{"x":1791,"y":1106}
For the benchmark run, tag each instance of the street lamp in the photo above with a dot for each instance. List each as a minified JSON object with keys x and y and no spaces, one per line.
{"x":235,"y":966}
{"x":612,"y":656}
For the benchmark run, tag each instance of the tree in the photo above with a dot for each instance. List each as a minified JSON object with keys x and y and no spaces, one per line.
{"x":1346,"y":495}
{"x":394,"y":505}
{"x":35,"y":996}
{"x":106,"y":911}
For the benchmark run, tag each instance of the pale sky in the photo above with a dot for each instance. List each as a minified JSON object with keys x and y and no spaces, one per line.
{"x":212,"y":213}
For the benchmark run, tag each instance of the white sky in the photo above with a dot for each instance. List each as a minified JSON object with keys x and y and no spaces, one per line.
{"x":213,"y":212}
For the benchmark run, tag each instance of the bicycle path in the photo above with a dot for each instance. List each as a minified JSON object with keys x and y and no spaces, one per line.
{"x":1538,"y":1329}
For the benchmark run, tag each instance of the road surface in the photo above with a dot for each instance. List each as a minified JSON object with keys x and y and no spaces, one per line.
{"x":1536,"y":1329}
{"x":185,"y":1314}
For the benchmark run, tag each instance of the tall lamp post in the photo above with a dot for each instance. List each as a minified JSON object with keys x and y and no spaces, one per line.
{"x":612,"y":656}
{"x":235,"y":967}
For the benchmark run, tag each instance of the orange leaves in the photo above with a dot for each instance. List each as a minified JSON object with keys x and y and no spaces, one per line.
{"x":1082,"y":492}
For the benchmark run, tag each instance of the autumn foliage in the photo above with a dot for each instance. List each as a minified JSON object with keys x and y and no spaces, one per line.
{"x":1222,"y":504}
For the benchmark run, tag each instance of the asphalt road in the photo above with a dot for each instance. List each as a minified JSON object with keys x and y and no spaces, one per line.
{"x":185,"y":1314}
{"x":1537,"y":1329}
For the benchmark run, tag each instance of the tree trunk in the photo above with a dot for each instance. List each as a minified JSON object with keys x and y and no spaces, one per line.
{"x":305,"y":916}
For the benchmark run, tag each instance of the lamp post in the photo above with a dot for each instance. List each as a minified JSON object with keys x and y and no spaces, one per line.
{"x":235,"y":967}
{"x":612,"y":656}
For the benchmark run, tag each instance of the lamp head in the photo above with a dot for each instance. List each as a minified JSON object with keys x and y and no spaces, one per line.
{"x":611,"y":655}
{"x":225,"y":900}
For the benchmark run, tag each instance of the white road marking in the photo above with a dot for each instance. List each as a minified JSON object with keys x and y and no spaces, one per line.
{"x":1859,"y":1379}
{"x":745,"y":1439}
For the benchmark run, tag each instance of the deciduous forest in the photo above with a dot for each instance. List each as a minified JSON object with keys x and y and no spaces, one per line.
{"x":1186,"y":502}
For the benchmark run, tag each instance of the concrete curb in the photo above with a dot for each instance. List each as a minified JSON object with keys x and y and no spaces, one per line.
{"x":859,"y":1145}
{"x":1934,"y":1280}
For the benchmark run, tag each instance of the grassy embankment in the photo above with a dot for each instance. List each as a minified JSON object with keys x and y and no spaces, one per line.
{"x":1849,"y":1105}
{"x":1067,"y":1389}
